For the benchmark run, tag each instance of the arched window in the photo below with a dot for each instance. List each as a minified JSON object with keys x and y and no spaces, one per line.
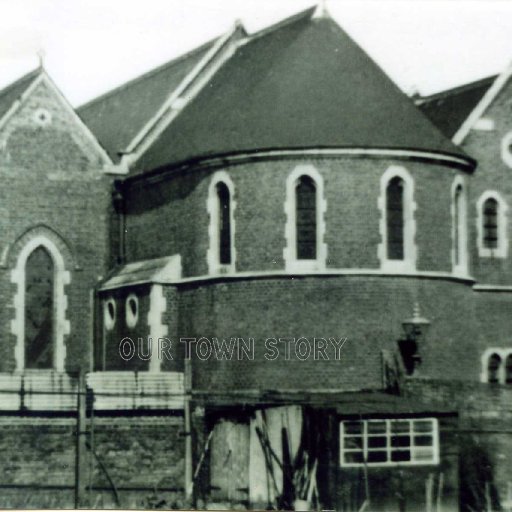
{"x":39,"y":309}
{"x":397,"y":249}
{"x":305,"y":228}
{"x":490,"y":223}
{"x":221,"y":205}
{"x":492,"y":236}
{"x":493,"y":369}
{"x":224,"y":223}
{"x":395,"y":222}
{"x":306,"y":218}
{"x":459,"y":234}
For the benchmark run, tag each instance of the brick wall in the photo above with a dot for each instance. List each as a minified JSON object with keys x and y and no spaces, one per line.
{"x":171,"y":216}
{"x":484,"y":434}
{"x":491,"y":174}
{"x":143,"y":456}
{"x":112,"y":338}
{"x":53,"y":185}
{"x":368,"y":311}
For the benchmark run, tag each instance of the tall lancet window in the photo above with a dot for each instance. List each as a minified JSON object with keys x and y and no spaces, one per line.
{"x":304,"y":232}
{"x":395,"y":219}
{"x":493,"y":369}
{"x":492,"y":231}
{"x":459,"y":229}
{"x":221,"y":205}
{"x":224,"y":223}
{"x":490,"y":223}
{"x":39,"y":309}
{"x":305,"y":201}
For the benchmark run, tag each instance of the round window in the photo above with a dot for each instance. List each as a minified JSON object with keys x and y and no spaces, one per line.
{"x":506,"y":149}
{"x":42,"y":117}
{"x":109,"y":314}
{"x":132,"y":310}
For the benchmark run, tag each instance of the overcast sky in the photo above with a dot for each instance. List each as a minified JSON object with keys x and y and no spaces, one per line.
{"x":91,"y":46}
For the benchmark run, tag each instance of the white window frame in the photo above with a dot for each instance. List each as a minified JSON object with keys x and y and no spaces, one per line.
{"x":506,"y":153}
{"x":408,"y":264}
{"x":501,"y":250}
{"x":109,"y":321}
{"x":459,"y":268}
{"x":434,"y":460}
{"x":212,"y":206}
{"x":503,"y":353}
{"x":62,"y":277}
{"x":292,"y":263}
{"x":130,"y":317}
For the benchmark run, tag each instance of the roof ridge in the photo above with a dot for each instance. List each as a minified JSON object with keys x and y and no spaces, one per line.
{"x":35,"y":72}
{"x":454,"y":90}
{"x":148,"y":74}
{"x":287,"y":21}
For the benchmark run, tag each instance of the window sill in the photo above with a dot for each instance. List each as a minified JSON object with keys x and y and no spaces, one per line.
{"x":222,"y":270}
{"x":304,"y":266}
{"x":398,"y":266}
{"x":499,"y":252}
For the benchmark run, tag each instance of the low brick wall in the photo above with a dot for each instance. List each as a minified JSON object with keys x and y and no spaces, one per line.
{"x":139,"y":461}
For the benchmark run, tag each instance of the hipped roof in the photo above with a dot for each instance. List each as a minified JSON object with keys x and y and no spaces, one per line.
{"x":303,"y":83}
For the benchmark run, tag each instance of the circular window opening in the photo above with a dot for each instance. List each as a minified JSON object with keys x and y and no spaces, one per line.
{"x":42,"y":117}
{"x":109,"y":314}
{"x":132,"y":310}
{"x":506,"y":149}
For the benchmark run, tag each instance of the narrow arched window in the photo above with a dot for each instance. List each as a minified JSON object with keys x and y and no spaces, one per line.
{"x":305,"y":201}
{"x":459,"y":228}
{"x":493,"y":369}
{"x":508,"y":369}
{"x":224,"y":223}
{"x":395,"y":223}
{"x":490,"y":223}
{"x":39,"y":309}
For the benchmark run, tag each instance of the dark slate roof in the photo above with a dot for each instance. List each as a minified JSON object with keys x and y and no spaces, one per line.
{"x":12,"y":92}
{"x":303,"y":83}
{"x":158,"y":270}
{"x":117,"y":116}
{"x":449,"y":109}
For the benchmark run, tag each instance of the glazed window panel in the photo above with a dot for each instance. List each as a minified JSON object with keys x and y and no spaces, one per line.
{"x":306,"y":216}
{"x":508,"y":370}
{"x":490,"y":223}
{"x":389,"y":442}
{"x":224,"y":202}
{"x":458,"y":227}
{"x":395,"y":219}
{"x":493,"y":369}
{"x":39,"y":310}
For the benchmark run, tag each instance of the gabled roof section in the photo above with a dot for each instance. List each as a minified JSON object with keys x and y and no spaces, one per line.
{"x":303,"y":83}
{"x":449,"y":109}
{"x":485,"y":102}
{"x":14,"y":96}
{"x":13,"y":92}
{"x":118,"y":116}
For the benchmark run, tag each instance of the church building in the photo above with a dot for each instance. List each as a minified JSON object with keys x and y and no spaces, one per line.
{"x":259,"y":276}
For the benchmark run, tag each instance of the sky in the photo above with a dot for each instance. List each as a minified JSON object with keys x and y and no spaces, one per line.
{"x":91,"y":46}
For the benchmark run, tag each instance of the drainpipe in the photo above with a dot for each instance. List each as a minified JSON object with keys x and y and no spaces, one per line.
{"x":189,"y":485}
{"x":120,"y":208}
